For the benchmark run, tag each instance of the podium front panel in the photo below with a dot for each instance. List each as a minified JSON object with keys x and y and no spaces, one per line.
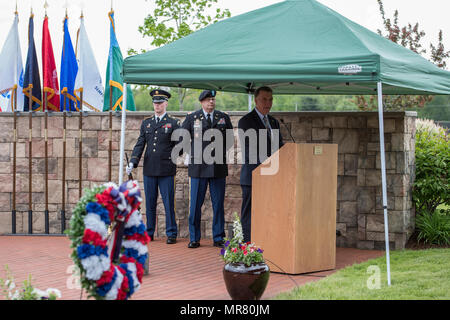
{"x":294,"y":210}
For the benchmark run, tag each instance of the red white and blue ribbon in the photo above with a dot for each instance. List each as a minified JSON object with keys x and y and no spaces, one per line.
{"x":115,"y":281}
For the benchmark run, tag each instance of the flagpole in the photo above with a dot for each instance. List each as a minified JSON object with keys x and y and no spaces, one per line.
{"x":14,"y":109}
{"x":30,"y":162}
{"x":122,"y":133}
{"x":30,"y":148}
{"x":80,"y":109}
{"x":80,"y":145}
{"x":45,"y":98}
{"x":46,"y":215}
{"x":63,"y":186}
{"x":111,"y":67}
{"x":13,"y":222}
{"x":63,"y":191}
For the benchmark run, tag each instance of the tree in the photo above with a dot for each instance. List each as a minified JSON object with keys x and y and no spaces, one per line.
{"x":175,"y":19}
{"x":409,"y":37}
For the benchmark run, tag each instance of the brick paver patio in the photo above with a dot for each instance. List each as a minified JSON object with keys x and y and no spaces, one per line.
{"x":176,"y":272}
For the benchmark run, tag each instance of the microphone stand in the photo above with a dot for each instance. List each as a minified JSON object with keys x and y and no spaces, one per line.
{"x":289,"y":130}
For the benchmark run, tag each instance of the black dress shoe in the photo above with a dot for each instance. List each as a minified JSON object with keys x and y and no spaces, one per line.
{"x":219,"y":243}
{"x":151,"y":237}
{"x":194,"y":244}
{"x":171,"y":240}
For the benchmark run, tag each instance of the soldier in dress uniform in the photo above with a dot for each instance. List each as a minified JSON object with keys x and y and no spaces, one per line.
{"x":203,"y":174}
{"x":159,"y":167}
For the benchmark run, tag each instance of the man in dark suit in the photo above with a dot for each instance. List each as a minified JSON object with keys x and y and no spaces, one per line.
{"x":258,"y":119}
{"x":204,"y":170}
{"x":159,"y":168}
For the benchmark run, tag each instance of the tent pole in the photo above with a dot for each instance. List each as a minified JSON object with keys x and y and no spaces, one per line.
{"x":122,"y":133}
{"x":249,"y":102}
{"x":383,"y":178}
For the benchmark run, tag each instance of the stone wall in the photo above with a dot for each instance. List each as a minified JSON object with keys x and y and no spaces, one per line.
{"x":359,"y":208}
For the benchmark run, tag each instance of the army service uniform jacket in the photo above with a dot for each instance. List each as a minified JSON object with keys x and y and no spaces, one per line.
{"x":157,"y":138}
{"x":221,"y":121}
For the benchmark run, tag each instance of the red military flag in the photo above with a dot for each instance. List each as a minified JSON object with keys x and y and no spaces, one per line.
{"x":51,"y":87}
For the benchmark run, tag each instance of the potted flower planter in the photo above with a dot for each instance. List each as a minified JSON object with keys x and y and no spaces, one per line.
{"x":246,"y":282}
{"x":245,"y":272}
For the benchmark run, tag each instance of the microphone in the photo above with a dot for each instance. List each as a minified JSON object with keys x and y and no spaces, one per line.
{"x":289,"y":130}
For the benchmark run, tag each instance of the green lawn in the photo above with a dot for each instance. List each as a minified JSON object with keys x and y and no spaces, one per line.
{"x":415,"y":274}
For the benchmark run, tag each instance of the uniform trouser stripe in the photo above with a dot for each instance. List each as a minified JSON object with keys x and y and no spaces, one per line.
{"x":167,"y":190}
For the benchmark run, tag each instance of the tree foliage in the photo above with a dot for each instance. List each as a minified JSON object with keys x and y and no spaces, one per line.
{"x":175,"y":19}
{"x":411,"y":37}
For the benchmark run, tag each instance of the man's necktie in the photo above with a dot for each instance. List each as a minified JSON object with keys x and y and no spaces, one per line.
{"x":208,"y":119}
{"x":157,"y":120}
{"x":266,"y":123}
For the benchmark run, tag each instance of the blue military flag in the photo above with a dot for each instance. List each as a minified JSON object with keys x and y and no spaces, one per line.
{"x":69,"y":70}
{"x":32,"y":78}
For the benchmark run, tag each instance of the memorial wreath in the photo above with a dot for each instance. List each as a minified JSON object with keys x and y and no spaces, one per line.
{"x":109,"y":240}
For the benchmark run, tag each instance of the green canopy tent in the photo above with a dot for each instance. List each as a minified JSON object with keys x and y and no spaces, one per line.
{"x":294,"y":47}
{"x":297,"y":47}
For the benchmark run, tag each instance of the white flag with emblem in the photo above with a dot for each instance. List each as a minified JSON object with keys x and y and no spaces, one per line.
{"x":11,"y":70}
{"x":88,"y":78}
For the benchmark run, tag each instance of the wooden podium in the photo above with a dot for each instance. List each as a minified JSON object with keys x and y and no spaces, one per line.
{"x":294,"y":210}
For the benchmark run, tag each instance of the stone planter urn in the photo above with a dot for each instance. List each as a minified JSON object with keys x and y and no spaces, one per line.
{"x":246,"y":283}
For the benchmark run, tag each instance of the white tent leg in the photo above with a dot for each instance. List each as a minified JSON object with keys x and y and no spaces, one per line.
{"x":249,"y":102}
{"x":122,"y":133}
{"x":383,"y":178}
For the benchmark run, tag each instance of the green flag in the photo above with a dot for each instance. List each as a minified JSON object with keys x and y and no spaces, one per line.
{"x":114,"y":80}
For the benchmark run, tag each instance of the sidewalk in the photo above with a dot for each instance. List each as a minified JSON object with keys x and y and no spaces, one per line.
{"x":176,"y":272}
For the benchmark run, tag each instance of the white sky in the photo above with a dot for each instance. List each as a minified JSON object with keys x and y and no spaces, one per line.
{"x":129,"y":15}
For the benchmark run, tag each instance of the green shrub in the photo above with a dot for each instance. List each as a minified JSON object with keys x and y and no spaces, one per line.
{"x":434,"y":228}
{"x":432,"y":183}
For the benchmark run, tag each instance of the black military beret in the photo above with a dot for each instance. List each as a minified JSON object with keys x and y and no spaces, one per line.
{"x":207,"y":94}
{"x":159,"y":95}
